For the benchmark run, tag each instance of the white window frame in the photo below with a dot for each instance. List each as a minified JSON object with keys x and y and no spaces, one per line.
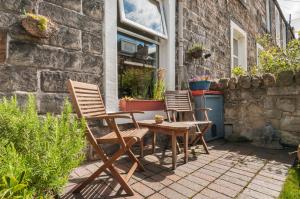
{"x":268,"y":17}
{"x":166,"y":52}
{"x":238,"y":33}
{"x":141,"y":27}
{"x":277,"y":27}
{"x":258,"y":48}
{"x":284,"y":35}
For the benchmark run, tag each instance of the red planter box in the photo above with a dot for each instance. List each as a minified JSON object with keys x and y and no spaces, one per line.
{"x":141,"y":105}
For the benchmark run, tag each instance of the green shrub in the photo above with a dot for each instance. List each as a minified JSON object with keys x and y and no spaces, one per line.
{"x":44,"y":149}
{"x":274,"y":59}
{"x":238,"y":71}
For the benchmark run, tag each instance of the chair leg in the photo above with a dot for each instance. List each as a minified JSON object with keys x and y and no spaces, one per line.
{"x":142,"y":148}
{"x":153,"y":142}
{"x":204,"y":144}
{"x":134,"y":159}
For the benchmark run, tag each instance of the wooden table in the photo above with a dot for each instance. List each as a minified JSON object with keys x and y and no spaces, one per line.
{"x":173,"y":129}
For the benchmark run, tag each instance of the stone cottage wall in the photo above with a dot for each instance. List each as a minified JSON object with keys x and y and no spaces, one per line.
{"x":42,"y":66}
{"x":208,"y":22}
{"x":251,"y":103}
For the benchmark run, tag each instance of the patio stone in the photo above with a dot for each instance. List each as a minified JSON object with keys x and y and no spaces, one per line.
{"x":213,"y":194}
{"x":157,"y":196}
{"x":182,"y":189}
{"x":246,"y":172}
{"x":169,"y":193}
{"x":142,"y":189}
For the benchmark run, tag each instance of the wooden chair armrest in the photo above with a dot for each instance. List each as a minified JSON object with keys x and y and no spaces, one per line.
{"x":112,"y":117}
{"x":126,"y":112}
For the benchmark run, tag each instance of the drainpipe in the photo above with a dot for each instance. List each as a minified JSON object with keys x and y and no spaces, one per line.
{"x":180,"y":43}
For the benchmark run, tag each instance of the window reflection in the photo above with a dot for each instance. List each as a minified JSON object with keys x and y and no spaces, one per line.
{"x":146,"y":13}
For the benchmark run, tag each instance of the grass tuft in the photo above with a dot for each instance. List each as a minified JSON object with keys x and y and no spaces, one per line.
{"x":291,"y":189}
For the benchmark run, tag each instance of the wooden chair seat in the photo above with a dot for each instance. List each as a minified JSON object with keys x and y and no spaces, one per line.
{"x":126,"y":134}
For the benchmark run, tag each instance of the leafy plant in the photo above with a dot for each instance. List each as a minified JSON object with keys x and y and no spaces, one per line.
{"x":238,"y":71}
{"x":196,"y":50}
{"x":274,"y":59}
{"x":159,"y":89}
{"x":42,"y":20}
{"x":42,"y":150}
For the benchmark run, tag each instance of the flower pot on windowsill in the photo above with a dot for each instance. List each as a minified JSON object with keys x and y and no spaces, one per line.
{"x":200,"y":85}
{"x":141,"y":105}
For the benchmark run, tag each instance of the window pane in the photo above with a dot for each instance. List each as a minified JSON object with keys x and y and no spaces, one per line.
{"x":235,"y":47}
{"x":137,"y":64}
{"x":146,"y":13}
{"x":235,"y":61}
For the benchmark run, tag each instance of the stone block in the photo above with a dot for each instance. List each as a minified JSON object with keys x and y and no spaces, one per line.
{"x":269,"y":102}
{"x":17,"y":5}
{"x":244,"y":81}
{"x":70,"y":4}
{"x":232,"y":84}
{"x":256,"y":81}
{"x":223,"y":83}
{"x":285,"y":78}
{"x":290,"y":138}
{"x":269,"y":80}
{"x":14,"y":78}
{"x":273,"y":114}
{"x":56,"y":81}
{"x":290,"y":90}
{"x":92,"y":64}
{"x":3,"y":45}
{"x":7,"y":19}
{"x":93,"y":8}
{"x":92,"y":43}
{"x":33,"y":55}
{"x":22,"y":98}
{"x":290,"y":123}
{"x":69,"y":18}
{"x":286,"y":104}
{"x":51,"y":103}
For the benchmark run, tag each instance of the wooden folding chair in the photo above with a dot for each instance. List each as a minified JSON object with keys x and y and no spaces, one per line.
{"x":88,"y":104}
{"x":179,"y":102}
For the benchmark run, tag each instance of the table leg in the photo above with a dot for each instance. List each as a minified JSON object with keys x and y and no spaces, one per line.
{"x":174,"y":151}
{"x":186,"y":145}
{"x":153,"y":141}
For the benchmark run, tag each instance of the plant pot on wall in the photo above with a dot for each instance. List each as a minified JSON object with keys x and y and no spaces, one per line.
{"x":141,"y":105}
{"x":39,"y":26}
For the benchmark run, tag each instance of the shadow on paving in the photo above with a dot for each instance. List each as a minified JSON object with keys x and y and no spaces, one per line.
{"x":158,"y":167}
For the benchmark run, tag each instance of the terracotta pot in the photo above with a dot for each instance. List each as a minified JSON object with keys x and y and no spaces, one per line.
{"x":141,"y":105}
{"x":31,"y":26}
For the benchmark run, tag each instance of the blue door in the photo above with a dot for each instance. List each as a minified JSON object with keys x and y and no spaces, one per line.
{"x":215,"y":102}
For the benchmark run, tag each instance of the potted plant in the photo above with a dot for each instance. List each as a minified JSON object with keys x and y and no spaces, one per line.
{"x":38,"y":25}
{"x":196,"y":51}
{"x":154,"y":104}
{"x":238,"y":71}
{"x":199,"y":83}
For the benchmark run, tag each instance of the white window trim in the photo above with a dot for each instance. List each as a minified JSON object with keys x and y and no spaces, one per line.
{"x":167,"y":52}
{"x":284,"y":39}
{"x":277,"y":27}
{"x":243,"y":52}
{"x":141,"y":27}
{"x":258,"y":48}
{"x":268,"y":17}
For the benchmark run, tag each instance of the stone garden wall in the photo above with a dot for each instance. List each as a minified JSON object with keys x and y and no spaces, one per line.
{"x":254,"y":105}
{"x":42,"y":66}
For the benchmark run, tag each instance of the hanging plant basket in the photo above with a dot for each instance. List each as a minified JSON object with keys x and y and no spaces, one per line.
{"x":196,"y":54}
{"x":39,"y":26}
{"x":196,"y":51}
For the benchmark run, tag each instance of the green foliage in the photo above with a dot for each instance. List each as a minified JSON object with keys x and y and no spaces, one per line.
{"x":238,"y":71}
{"x":136,"y":82}
{"x":291,"y":189}
{"x":159,"y":90}
{"x":42,"y":20}
{"x":41,"y":150}
{"x":274,"y":59}
{"x":196,"y":48}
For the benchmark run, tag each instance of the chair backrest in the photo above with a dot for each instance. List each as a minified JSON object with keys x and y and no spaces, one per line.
{"x":86,"y":99}
{"x":178,"y":100}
